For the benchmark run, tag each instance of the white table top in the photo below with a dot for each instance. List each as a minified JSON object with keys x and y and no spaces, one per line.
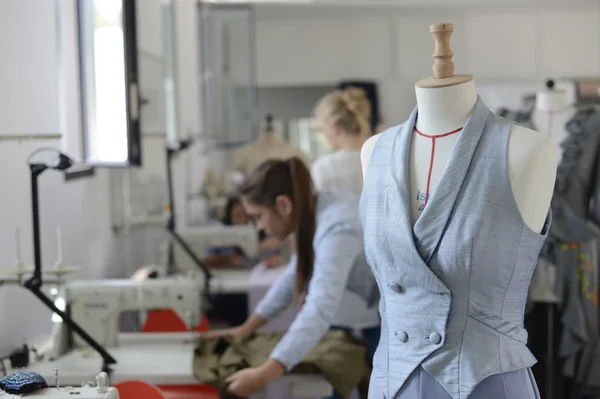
{"x":157,"y":358}
{"x":154,"y":357}
{"x":230,"y":281}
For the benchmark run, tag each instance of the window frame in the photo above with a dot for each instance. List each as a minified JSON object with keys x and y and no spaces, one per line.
{"x":132,"y":91}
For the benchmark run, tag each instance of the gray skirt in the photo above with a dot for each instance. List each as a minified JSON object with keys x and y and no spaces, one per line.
{"x":518,"y":384}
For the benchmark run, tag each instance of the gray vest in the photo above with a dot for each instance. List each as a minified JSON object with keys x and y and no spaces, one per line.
{"x":454,"y":286}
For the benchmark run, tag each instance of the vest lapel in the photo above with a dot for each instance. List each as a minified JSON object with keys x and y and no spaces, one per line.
{"x":398,"y":200}
{"x":398,"y":210}
{"x":431,"y":224}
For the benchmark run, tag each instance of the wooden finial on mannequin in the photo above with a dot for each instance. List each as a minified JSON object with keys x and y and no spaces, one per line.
{"x":443,"y":67}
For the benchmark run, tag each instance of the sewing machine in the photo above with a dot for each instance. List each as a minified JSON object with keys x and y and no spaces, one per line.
{"x":97,"y":304}
{"x":100,"y":391}
{"x":201,"y":239}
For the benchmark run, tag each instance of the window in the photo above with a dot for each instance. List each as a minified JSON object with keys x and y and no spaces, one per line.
{"x":109,"y":83}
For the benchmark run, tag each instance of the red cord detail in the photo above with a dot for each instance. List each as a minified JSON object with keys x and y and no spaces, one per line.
{"x":433,"y":156}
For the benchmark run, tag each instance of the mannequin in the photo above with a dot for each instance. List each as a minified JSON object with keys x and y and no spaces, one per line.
{"x":266,"y":147}
{"x":445,"y":104}
{"x":553,"y":110}
{"x":455,"y":209}
{"x":567,"y":269}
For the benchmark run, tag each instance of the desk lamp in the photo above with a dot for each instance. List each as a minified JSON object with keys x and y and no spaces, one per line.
{"x":62,"y":162}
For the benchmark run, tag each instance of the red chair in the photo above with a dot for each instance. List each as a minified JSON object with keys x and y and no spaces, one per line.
{"x":167,"y":321}
{"x":190,"y":392}
{"x":135,"y":389}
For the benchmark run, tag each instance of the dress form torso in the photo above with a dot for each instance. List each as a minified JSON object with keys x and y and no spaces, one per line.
{"x":553,"y":110}
{"x":532,"y":156}
{"x":454,"y":277}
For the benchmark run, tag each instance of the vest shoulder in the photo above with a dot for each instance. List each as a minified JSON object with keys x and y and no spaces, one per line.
{"x":388,"y":134}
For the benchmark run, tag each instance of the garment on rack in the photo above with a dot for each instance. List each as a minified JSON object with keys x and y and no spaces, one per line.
{"x":249,"y":157}
{"x":338,"y":357}
{"x":572,"y":245}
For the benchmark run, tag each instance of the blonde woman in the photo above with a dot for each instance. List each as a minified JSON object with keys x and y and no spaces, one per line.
{"x":343,"y":116}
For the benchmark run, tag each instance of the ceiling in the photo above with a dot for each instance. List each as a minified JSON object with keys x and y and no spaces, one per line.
{"x":446,"y":4}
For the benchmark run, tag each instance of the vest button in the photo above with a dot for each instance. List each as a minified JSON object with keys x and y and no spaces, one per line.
{"x":402,"y":336}
{"x":435,"y":338}
{"x":397,"y":288}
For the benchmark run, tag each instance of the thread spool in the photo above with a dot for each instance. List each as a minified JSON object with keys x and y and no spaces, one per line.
{"x":443,"y":67}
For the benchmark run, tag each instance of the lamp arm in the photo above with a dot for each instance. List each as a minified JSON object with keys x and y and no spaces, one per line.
{"x":36,"y":169}
{"x":34,"y":284}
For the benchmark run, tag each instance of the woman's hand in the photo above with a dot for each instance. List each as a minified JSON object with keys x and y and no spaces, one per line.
{"x":246,"y":382}
{"x":249,"y":381}
{"x":239,"y":331}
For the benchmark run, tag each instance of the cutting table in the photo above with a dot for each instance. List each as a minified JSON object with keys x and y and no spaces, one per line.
{"x":157,"y":358}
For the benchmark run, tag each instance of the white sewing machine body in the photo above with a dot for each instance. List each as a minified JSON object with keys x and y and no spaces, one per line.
{"x":201,"y":239}
{"x":96,"y":305}
{"x":162,"y":359}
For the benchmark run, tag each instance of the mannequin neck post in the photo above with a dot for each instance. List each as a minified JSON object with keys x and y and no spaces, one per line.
{"x":444,"y":109}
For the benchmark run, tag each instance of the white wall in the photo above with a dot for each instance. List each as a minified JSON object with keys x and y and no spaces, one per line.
{"x":35,"y":102}
{"x":320,"y":45}
{"x":30,"y":106}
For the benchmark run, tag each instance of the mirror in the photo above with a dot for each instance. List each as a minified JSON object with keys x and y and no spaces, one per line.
{"x":109,"y":83}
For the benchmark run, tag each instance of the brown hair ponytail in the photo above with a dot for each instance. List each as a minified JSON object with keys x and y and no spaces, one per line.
{"x":304,"y":218}
{"x":290,"y":178}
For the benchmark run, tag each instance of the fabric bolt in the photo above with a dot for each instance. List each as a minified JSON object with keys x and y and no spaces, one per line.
{"x":338,"y":357}
{"x":453,"y":286}
{"x":22,"y":382}
{"x":339,"y":169}
{"x":518,"y":384}
{"x":342,"y":290}
{"x":572,"y":245}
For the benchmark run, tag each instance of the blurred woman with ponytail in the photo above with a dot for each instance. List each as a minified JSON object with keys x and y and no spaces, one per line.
{"x":329,"y":276}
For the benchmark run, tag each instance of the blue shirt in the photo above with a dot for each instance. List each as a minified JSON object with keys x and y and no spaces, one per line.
{"x":342,"y":290}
